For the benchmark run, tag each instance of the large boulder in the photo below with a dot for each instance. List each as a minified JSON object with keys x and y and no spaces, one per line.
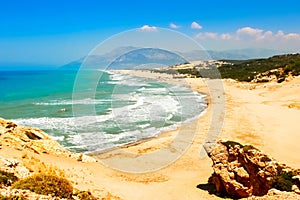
{"x":242,"y":171}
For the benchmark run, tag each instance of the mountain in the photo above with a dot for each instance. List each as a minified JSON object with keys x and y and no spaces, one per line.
{"x":213,"y":55}
{"x":129,"y":57}
{"x":254,"y":53}
{"x":98,"y":61}
{"x":147,"y":58}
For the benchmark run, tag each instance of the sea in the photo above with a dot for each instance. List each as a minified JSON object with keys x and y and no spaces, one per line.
{"x":126,"y":108}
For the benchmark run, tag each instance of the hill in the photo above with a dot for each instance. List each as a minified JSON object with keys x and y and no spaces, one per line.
{"x":276,"y":68}
{"x":250,"y":69}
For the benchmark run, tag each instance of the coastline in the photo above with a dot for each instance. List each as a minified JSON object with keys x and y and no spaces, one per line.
{"x":170,"y":130}
{"x":263,"y":115}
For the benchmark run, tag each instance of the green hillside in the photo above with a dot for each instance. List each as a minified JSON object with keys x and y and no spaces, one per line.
{"x":246,"y":70}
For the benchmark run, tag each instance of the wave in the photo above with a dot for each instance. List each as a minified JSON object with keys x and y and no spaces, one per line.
{"x":136,"y":109}
{"x":86,"y":101}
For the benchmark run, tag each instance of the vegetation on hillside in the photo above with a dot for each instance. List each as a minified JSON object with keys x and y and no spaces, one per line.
{"x":46,"y":184}
{"x":51,"y":181}
{"x":246,"y":70}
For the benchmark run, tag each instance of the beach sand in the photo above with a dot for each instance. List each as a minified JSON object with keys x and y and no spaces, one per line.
{"x":264,"y":115}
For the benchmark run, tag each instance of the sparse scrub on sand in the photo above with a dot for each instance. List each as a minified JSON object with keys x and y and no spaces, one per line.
{"x":46,"y":184}
{"x":52,"y":181}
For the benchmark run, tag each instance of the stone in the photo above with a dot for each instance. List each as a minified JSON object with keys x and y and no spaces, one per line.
{"x":82,"y":157}
{"x":294,"y":187}
{"x":241,"y":171}
{"x":11,"y":162}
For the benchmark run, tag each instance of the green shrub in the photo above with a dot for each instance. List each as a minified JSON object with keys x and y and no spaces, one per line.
{"x":6,"y":178}
{"x":284,"y":181}
{"x":46,"y":184}
{"x":191,"y":71}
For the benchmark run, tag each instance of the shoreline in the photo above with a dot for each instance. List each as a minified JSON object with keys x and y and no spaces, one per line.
{"x":265,"y":115}
{"x":167,"y":78}
{"x":170,"y":129}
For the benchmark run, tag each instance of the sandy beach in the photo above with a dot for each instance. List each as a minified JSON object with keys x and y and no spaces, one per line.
{"x":264,"y":115}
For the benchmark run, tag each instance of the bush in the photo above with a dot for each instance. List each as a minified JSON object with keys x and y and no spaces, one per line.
{"x":191,"y":71}
{"x":284,"y":181}
{"x":6,"y":178}
{"x":46,"y":184}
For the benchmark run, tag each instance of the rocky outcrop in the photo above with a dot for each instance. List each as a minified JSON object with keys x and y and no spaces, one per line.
{"x":242,"y":171}
{"x":275,"y":75}
{"x":34,"y":140}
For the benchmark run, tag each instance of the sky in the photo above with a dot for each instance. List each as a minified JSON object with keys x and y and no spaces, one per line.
{"x":55,"y":32}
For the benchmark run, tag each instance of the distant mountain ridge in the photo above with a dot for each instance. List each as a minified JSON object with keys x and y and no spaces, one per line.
{"x":130,"y":57}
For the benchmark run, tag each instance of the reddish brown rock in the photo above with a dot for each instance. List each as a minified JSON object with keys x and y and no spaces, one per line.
{"x":242,"y":171}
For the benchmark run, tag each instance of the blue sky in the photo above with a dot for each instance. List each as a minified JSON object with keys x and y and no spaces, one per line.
{"x":57,"y":32}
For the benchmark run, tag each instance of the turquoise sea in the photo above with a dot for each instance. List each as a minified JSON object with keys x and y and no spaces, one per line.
{"x":126,"y":108}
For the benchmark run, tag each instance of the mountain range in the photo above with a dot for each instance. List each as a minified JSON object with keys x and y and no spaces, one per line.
{"x":140,"y":58}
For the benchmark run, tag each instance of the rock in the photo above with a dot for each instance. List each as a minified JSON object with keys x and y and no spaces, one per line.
{"x":14,"y":166}
{"x":28,"y":138}
{"x":274,"y":194}
{"x":79,"y":157}
{"x":21,"y":171}
{"x":11,"y":162}
{"x":82,"y":157}
{"x":297,"y":191}
{"x":294,"y":187}
{"x":33,"y":135}
{"x":274,"y":75}
{"x":297,"y":180}
{"x":10,"y":125}
{"x":242,"y":171}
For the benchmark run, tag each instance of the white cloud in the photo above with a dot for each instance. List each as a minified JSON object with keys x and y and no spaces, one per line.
{"x":249,"y":32}
{"x":292,"y":36}
{"x":148,"y":28}
{"x":248,"y":37}
{"x":207,"y":35}
{"x":225,"y":36}
{"x":174,"y":26}
{"x":195,"y":25}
